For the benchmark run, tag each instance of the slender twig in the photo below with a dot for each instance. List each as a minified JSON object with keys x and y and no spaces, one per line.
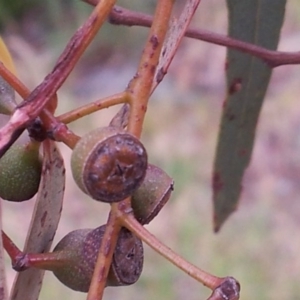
{"x":272,"y":57}
{"x":106,"y":251}
{"x":122,"y":16}
{"x":14,"y":81}
{"x":128,"y":220}
{"x":140,"y":86}
{"x":57,"y":130}
{"x":12,"y":250}
{"x":92,"y":107}
{"x":3,"y":283}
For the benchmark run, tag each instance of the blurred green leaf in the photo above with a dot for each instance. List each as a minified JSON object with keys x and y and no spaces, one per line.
{"x":258,"y":22}
{"x":44,"y":221}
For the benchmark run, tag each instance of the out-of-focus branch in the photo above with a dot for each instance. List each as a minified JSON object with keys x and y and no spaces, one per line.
{"x":122,"y":16}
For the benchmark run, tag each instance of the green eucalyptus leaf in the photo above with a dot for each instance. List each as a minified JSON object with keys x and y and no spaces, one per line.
{"x":258,"y":22}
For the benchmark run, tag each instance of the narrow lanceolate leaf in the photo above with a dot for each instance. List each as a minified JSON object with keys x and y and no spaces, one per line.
{"x":44,"y":221}
{"x":3,"y":287}
{"x":7,"y":93}
{"x":258,"y":22}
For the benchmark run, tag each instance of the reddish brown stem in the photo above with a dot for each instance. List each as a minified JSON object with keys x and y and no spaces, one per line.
{"x":128,"y":220}
{"x":12,"y":250}
{"x":104,"y":259}
{"x":44,"y":261}
{"x":3,"y":284}
{"x":122,"y":16}
{"x":16,"y":84}
{"x":140,"y":86}
{"x":93,"y":107}
{"x":22,"y":261}
{"x":59,"y":131}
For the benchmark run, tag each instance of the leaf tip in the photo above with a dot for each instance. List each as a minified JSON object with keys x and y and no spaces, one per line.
{"x":221,"y":214}
{"x":217,"y":223}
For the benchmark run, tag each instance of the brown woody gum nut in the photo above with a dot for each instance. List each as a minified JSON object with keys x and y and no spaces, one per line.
{"x":109,"y":164}
{"x":78,"y":252}
{"x":128,"y":259}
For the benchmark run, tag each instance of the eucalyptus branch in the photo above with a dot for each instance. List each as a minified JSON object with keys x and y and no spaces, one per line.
{"x":122,"y":16}
{"x":92,"y":107}
{"x":133,"y":225}
{"x":12,"y":250}
{"x":140,"y":86}
{"x":44,"y":92}
{"x":54,"y":126}
{"x":57,"y":130}
{"x":14,"y":81}
{"x":3,"y":283}
{"x":104,"y":259}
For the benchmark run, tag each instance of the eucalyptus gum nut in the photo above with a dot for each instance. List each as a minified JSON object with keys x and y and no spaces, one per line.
{"x":20,"y":172}
{"x":78,"y":252}
{"x":128,"y":259}
{"x":108,"y":164}
{"x":77,"y":272}
{"x":152,"y":195}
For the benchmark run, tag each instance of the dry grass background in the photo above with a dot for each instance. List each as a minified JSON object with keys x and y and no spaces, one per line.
{"x":259,"y":244}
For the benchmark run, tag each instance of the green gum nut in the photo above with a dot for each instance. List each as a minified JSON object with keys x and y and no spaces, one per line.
{"x":20,"y":172}
{"x":155,"y":191}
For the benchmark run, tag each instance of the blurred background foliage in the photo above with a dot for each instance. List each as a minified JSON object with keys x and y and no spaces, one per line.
{"x":258,"y":245}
